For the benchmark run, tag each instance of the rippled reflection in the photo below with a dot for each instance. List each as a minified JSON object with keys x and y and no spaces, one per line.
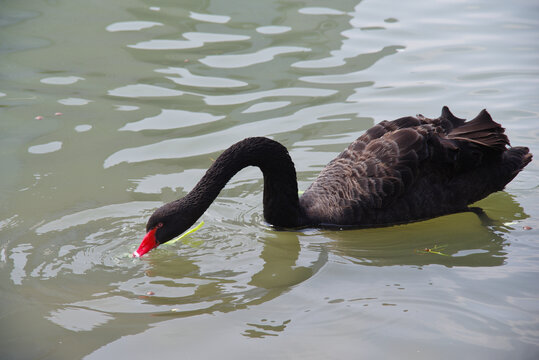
{"x":189,"y":79}
{"x":132,"y":25}
{"x":464,"y":239}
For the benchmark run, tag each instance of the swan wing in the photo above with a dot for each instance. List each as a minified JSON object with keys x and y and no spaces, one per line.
{"x":410,"y":169}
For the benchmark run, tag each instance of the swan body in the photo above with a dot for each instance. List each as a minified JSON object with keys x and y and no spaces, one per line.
{"x":404,"y":170}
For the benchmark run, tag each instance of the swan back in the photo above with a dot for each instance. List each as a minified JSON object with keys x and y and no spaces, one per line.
{"x":413,"y":168}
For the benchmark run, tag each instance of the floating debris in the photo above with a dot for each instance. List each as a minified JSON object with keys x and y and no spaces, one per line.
{"x":435,"y":250}
{"x":185,"y":233}
{"x":527,"y":227}
{"x":39,"y":117}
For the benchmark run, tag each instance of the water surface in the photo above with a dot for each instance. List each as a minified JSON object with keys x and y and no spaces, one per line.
{"x":110,"y":109}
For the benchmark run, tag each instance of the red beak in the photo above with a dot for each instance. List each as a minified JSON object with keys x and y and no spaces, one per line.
{"x":147,"y":243}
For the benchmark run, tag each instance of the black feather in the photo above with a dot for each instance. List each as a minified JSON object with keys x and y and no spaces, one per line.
{"x":398,"y":171}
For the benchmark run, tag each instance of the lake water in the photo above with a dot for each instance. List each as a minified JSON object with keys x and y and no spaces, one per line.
{"x":111,"y":108}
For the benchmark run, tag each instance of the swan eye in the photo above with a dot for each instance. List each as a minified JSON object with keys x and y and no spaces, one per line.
{"x":160,"y":225}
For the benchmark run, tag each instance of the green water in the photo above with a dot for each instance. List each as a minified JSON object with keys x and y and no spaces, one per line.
{"x":110,"y":108}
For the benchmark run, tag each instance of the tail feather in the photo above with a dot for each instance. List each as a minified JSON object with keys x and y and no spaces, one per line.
{"x":515,"y":159}
{"x":448,"y":115}
{"x":499,"y":173}
{"x":483,"y":131}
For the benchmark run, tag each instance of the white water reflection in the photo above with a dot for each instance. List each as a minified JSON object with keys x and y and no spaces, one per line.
{"x":171,"y":119}
{"x":266,"y":106}
{"x":19,"y":256}
{"x":154,"y":184}
{"x":143,"y":90}
{"x":61,"y":80}
{"x":168,"y":149}
{"x":272,"y":30}
{"x":194,"y":40}
{"x":245,"y":60}
{"x":214,"y":37}
{"x":83,"y":128}
{"x":45,"y":148}
{"x":257,"y":95}
{"x":132,"y":25}
{"x":77,"y":319}
{"x":216,"y":141}
{"x":218,"y":19}
{"x":74,"y":101}
{"x":127,"y":107}
{"x":319,"y":11}
{"x":131,"y":209}
{"x":160,"y":44}
{"x":120,"y":304}
{"x":189,"y":79}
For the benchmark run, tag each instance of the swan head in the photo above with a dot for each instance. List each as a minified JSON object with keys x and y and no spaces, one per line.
{"x":166,"y":223}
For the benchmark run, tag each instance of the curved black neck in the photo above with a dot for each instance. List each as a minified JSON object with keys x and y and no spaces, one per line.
{"x":281,"y":203}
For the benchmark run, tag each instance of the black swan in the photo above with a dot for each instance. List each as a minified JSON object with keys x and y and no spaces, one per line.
{"x":409,"y":169}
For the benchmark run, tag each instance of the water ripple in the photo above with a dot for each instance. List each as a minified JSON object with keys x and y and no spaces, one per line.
{"x":143,"y":90}
{"x":271,"y":30}
{"x":61,"y":80}
{"x":218,"y":19}
{"x":266,"y":106}
{"x":320,"y":11}
{"x":247,"y":97}
{"x":130,"y":209}
{"x":77,"y":319}
{"x":189,"y":79}
{"x":366,"y":60}
{"x":74,"y":101}
{"x":214,"y":37}
{"x":171,"y":119}
{"x":164,"y":44}
{"x":45,"y":148}
{"x":132,"y":25}
{"x":219,"y":140}
{"x":245,"y":60}
{"x":154,"y":184}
